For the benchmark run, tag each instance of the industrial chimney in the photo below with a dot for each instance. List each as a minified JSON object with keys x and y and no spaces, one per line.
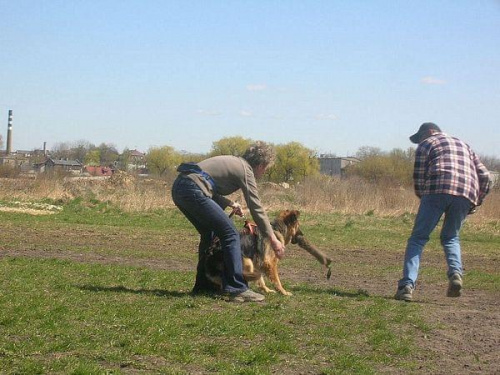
{"x":9,"y":134}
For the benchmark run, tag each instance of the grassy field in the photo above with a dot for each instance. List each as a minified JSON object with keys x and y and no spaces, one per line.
{"x":91,"y":289}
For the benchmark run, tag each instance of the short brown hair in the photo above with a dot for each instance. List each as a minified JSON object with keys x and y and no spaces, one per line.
{"x":260,"y":153}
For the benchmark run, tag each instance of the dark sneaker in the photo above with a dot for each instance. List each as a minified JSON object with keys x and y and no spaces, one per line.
{"x":247,"y":296}
{"x":455,"y":285}
{"x":404,"y":293}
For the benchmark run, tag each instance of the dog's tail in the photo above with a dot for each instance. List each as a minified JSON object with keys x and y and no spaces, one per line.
{"x":250,"y":272}
{"x":253,"y":276}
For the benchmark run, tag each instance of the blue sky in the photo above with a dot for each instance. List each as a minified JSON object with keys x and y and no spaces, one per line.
{"x":333,"y":75}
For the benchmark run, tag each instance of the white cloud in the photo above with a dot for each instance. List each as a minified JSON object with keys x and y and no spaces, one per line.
{"x":204,"y":112}
{"x":329,"y":117}
{"x":256,"y":87}
{"x":244,"y":113}
{"x":433,"y":81}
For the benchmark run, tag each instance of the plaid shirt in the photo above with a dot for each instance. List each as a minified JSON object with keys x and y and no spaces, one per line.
{"x":444,"y":164}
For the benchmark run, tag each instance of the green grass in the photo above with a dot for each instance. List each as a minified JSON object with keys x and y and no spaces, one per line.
{"x":125,"y":315}
{"x":345,"y":231}
{"x":484,"y":280}
{"x":391,"y":233}
{"x":67,"y":317}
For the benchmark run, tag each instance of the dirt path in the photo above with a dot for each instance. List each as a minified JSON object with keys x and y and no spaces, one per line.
{"x":465,"y":338}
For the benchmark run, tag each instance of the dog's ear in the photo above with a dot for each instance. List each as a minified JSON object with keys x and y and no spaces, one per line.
{"x":291,"y":217}
{"x":282,"y":215}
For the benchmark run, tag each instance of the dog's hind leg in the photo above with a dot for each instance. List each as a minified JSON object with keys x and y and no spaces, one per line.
{"x":249,"y":271}
{"x":205,"y":282}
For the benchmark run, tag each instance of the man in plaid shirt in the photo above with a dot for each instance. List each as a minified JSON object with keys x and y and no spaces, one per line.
{"x":449,"y":179}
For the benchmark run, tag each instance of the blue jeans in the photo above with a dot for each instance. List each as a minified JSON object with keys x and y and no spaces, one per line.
{"x":432,"y":207}
{"x":209,"y":219}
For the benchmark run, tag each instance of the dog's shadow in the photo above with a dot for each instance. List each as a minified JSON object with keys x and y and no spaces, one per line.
{"x":360,"y":293}
{"x":123,"y":289}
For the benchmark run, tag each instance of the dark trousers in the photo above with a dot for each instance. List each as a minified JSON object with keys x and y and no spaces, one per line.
{"x":209,"y":219}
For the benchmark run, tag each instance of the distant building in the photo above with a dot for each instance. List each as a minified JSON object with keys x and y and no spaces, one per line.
{"x":99,"y":170}
{"x":7,"y":159}
{"x":23,"y":153}
{"x":14,"y":159}
{"x":335,"y":166}
{"x":52,"y":165}
{"x":136,"y":161}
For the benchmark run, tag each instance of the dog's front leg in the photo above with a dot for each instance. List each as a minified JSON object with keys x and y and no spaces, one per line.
{"x":274,"y":277}
{"x":262,"y":285}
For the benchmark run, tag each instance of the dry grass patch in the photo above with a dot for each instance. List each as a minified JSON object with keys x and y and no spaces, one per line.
{"x":319,"y":194}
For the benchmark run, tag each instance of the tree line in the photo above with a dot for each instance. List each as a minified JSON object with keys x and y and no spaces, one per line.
{"x":294,"y":162}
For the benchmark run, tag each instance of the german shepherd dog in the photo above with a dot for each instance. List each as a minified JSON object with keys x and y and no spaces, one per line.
{"x":257,"y":254}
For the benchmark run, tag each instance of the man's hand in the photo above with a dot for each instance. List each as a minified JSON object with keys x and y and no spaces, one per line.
{"x":472,"y":210}
{"x":236,"y":209}
{"x":278,"y":247}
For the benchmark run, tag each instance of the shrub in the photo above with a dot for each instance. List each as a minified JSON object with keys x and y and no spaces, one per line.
{"x":9,"y":171}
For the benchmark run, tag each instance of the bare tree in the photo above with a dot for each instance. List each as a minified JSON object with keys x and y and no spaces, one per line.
{"x":74,"y":151}
{"x":365,"y":152}
{"x":491,"y":162}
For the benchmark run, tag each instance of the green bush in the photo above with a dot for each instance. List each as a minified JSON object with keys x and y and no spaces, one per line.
{"x":395,"y":167}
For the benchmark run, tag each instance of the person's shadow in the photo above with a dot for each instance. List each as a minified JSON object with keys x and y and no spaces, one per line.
{"x":177,"y":294}
{"x":123,"y":289}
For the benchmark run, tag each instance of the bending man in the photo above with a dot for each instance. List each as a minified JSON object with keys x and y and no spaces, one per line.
{"x":200,"y":193}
